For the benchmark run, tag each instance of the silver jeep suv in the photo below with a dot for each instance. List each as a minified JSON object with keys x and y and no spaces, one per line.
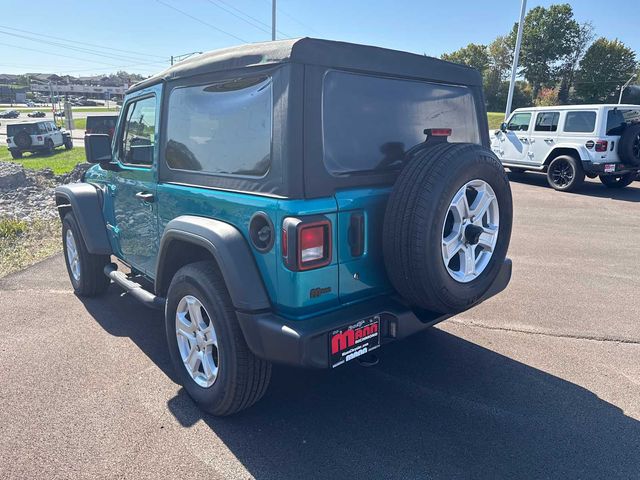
{"x":43,"y":136}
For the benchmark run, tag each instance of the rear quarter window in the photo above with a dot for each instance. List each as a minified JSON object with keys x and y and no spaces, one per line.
{"x":221,"y":128}
{"x":580,"y":122}
{"x":368,"y":122}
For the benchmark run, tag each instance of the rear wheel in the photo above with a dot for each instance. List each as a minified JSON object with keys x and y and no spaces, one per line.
{"x":207,"y":347}
{"x":629,"y":146}
{"x":618,"y":181}
{"x":16,"y":154}
{"x":565,"y":173}
{"x":49,"y":147}
{"x":447,"y":227}
{"x":86,"y":270}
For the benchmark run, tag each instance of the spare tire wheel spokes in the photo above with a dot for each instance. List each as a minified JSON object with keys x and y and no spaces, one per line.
{"x":470,"y":230}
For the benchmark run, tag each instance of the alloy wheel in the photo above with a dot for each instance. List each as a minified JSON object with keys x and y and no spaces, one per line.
{"x":470,"y":231}
{"x":197,"y":341}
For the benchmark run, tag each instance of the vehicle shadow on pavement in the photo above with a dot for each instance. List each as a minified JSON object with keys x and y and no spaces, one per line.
{"x":436,"y":406}
{"x":592,"y":188}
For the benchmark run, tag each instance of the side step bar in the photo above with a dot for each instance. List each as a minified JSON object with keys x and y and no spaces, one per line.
{"x":134,"y":289}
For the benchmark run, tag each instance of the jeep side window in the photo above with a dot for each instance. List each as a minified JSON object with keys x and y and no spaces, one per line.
{"x":221,"y":128}
{"x":138,"y":134}
{"x":580,"y":122}
{"x":42,"y":127}
{"x":547,"y":121}
{"x":519,"y":122}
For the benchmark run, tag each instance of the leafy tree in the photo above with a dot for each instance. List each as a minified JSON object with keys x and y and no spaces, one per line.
{"x":473,"y":55}
{"x":605,"y":67}
{"x":548,"y":37}
{"x":547,"y":97}
{"x":571,"y":61}
{"x":500,"y":58}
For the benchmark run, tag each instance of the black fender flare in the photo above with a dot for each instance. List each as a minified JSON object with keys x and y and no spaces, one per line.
{"x":85,"y":200}
{"x":228,"y":247}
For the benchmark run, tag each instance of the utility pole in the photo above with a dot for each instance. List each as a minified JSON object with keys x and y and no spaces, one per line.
{"x":625,"y":86}
{"x":516,"y":55}
{"x":273,"y":19}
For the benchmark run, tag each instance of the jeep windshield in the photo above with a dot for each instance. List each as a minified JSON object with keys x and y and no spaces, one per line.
{"x":30,"y":128}
{"x":369,"y":122}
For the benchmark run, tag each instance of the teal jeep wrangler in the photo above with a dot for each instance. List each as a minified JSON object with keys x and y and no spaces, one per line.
{"x":301,"y":202}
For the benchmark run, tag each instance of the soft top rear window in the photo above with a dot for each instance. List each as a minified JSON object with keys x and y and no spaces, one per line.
{"x":368,"y":122}
{"x":31,"y":128}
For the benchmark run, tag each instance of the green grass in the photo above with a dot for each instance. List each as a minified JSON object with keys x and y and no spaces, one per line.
{"x":28,"y":243}
{"x":62,"y":161}
{"x":12,"y":227}
{"x":495,"y":119}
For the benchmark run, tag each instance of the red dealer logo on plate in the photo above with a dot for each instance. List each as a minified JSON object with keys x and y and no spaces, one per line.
{"x":354,"y":340}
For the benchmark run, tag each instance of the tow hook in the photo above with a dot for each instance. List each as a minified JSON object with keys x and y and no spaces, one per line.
{"x":368,"y":360}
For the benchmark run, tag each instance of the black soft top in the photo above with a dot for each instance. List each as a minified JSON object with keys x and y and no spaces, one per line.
{"x":328,"y":53}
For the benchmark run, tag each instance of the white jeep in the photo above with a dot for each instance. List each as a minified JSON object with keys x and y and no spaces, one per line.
{"x":33,"y":137}
{"x":571,"y":141}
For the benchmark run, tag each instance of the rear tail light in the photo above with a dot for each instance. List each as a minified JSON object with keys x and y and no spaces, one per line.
{"x":306,"y":242}
{"x":601,"y":145}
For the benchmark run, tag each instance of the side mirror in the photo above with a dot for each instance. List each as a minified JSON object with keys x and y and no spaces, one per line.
{"x":503,"y":127}
{"x":97,"y":148}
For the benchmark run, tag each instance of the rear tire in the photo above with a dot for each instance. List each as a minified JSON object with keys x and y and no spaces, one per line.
{"x":618,"y":181}
{"x":15,"y":154}
{"x":241,"y":378}
{"x":629,"y":145}
{"x":86,"y":270}
{"x":565,"y":174}
{"x":417,"y":225}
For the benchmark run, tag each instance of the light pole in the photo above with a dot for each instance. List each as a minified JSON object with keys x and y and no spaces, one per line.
{"x":273,"y":19}
{"x":516,"y":54}
{"x":625,"y":86}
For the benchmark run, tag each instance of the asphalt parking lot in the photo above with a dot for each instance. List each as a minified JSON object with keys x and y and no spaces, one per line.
{"x":542,"y":381}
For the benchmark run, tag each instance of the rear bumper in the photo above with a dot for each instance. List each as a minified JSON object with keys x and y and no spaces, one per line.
{"x":305,"y":343}
{"x":601,"y":168}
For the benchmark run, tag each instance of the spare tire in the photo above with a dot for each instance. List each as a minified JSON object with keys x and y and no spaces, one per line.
{"x":447,"y":226}
{"x":629,"y":146}
{"x":22,"y":139}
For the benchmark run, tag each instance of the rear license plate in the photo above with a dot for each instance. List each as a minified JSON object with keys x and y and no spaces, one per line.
{"x":609,"y":167}
{"x":353,"y":340}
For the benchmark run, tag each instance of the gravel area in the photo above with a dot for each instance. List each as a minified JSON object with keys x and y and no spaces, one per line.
{"x":29,"y":194}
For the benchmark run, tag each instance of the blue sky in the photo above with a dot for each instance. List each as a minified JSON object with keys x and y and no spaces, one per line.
{"x":141,"y":35}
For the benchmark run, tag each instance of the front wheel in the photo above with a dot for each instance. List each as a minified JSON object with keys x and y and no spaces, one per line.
{"x":565,"y":174}
{"x":206,"y":344}
{"x":68,"y":143}
{"x":86,"y":270}
{"x":618,"y":181}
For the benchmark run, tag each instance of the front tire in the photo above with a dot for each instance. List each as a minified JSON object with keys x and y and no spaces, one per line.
{"x":206,"y":344}
{"x":618,"y":181}
{"x":86,"y":270}
{"x":68,"y":143}
{"x":565,"y":174}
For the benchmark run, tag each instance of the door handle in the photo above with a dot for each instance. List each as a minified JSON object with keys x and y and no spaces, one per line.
{"x":145,"y":197}
{"x":548,"y":139}
{"x":523,"y":139}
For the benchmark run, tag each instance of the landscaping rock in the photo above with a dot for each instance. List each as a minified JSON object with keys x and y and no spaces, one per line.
{"x":29,"y":194}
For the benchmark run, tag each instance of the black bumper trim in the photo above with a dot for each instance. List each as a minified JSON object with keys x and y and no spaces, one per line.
{"x":598,"y":168}
{"x":305,"y":343}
